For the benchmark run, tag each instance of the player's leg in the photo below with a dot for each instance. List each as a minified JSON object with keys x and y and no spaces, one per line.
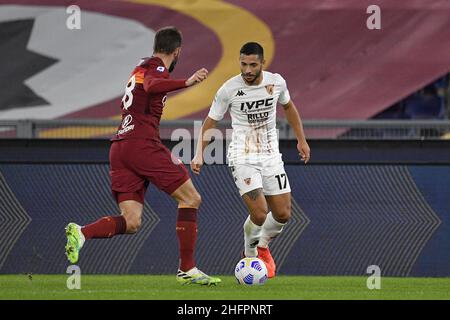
{"x":170,"y":175}
{"x":249,"y":182}
{"x":132,"y":210}
{"x":257,"y":208}
{"x":124,"y":184}
{"x":189,"y":201}
{"x":277,"y":218}
{"x":128,"y":222}
{"x":278,"y":195}
{"x":128,"y":188}
{"x":105,"y":227}
{"x":186,"y":226}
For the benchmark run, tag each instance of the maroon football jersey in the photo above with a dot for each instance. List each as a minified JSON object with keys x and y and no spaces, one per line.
{"x":144,"y":99}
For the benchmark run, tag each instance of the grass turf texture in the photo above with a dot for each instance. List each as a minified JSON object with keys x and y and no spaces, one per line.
{"x":166,"y":288}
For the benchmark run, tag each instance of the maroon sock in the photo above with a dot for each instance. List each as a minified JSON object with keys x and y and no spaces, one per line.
{"x":187,"y":236}
{"x":105,"y":227}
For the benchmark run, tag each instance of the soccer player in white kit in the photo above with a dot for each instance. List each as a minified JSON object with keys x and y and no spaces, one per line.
{"x":253,"y":155}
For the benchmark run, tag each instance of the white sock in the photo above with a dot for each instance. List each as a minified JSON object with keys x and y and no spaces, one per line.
{"x":82,"y":239}
{"x":270,"y":229}
{"x":252,"y":233}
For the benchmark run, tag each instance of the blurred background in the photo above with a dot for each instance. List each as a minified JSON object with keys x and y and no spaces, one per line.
{"x":375,"y":106}
{"x":389,"y":82}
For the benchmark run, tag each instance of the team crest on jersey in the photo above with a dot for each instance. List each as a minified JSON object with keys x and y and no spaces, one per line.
{"x":160,"y":69}
{"x":248,"y":181}
{"x":269,"y":89}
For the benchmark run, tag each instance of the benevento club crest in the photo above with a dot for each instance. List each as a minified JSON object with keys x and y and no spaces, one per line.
{"x":269,"y":88}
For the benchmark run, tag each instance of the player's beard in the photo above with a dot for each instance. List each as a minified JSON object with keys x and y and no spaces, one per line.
{"x":173,"y":64}
{"x":255,"y":77}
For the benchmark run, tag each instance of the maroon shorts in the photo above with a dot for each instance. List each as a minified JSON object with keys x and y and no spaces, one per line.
{"x":136,"y":162}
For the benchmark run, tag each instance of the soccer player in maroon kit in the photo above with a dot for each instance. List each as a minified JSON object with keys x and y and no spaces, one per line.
{"x":138,"y":157}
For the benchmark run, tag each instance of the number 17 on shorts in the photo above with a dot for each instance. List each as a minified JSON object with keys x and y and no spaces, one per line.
{"x":273,"y":180}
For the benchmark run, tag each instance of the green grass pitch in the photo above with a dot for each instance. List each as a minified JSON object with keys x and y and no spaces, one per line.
{"x":165,"y":287}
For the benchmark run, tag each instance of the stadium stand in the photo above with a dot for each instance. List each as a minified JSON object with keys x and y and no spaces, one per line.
{"x":335,"y":68}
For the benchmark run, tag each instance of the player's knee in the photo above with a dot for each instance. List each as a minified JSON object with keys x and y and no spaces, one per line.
{"x":259,"y":215}
{"x":133,"y":220}
{"x":284,"y":214}
{"x":284,"y":217}
{"x":133,"y":225}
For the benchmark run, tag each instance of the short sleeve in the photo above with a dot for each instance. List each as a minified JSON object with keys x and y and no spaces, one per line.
{"x":285,"y":97}
{"x":220,"y":105}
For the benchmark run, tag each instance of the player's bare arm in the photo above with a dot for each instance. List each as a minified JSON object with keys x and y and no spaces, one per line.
{"x":294,"y":120}
{"x":205,"y":137}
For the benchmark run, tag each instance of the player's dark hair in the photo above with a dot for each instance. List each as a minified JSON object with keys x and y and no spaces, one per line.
{"x":167,"y":39}
{"x":253,"y":48}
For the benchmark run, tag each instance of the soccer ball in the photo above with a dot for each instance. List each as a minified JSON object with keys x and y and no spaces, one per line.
{"x":251,"y":271}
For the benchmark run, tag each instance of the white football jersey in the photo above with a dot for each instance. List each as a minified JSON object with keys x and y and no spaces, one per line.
{"x":253,"y":115}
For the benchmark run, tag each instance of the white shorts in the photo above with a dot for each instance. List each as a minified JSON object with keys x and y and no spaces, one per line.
{"x":272,"y":179}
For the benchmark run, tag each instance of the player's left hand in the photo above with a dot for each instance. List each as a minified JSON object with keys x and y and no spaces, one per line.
{"x":196,"y":164}
{"x":304,"y":151}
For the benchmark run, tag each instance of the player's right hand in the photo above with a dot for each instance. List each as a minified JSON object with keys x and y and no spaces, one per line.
{"x":304,"y":151}
{"x":196,"y":164}
{"x":197,"y":77}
